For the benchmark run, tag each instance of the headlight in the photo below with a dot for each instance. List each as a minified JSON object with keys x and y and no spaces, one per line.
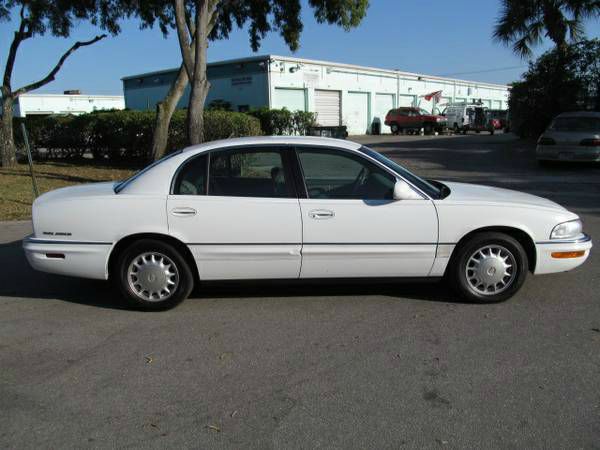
{"x":567,"y":230}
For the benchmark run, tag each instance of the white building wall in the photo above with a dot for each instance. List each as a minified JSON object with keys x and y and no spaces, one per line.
{"x":45,"y":104}
{"x":407,"y":89}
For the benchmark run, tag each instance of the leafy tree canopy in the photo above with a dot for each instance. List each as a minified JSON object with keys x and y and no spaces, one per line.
{"x":559,"y":81}
{"x":524,"y":23}
{"x":261,"y":16}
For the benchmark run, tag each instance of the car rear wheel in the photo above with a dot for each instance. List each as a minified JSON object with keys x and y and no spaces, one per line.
{"x":152,"y":275}
{"x":490,"y":267}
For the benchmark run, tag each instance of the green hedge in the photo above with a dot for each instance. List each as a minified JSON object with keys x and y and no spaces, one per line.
{"x":277,"y":122}
{"x":123,"y":135}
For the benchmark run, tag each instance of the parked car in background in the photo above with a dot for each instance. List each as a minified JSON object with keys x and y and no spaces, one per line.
{"x":411,"y":118}
{"x":297,"y":208}
{"x":464,"y":117}
{"x":572,"y":136}
{"x":499,"y":118}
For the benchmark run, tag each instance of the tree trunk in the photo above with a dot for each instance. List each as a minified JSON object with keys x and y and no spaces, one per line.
{"x":7,"y":141}
{"x":199,"y":81}
{"x":164,"y":113}
{"x":196,"y":111}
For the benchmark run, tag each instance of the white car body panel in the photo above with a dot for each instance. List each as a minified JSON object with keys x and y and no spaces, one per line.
{"x":240,"y":237}
{"x":368,"y":238}
{"x":260,"y":238}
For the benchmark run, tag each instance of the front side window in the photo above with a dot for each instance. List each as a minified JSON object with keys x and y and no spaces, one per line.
{"x":248,"y":173}
{"x":331,"y":174}
{"x":191,"y":178}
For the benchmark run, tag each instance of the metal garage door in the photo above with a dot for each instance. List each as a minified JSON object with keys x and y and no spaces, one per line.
{"x":383,"y":103}
{"x":328,"y":107}
{"x":292,"y":99}
{"x":406,"y":100}
{"x":356,"y":112}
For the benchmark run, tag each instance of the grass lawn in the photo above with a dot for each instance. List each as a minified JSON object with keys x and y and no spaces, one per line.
{"x":16,"y":192}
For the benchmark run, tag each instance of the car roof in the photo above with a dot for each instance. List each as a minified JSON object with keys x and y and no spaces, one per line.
{"x":579,"y":114}
{"x":270,"y":140}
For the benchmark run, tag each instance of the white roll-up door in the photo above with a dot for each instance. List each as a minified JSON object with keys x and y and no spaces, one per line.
{"x":328,"y":107}
{"x":291,"y":99}
{"x":406,"y":100}
{"x":383,"y":103}
{"x":356,"y":113}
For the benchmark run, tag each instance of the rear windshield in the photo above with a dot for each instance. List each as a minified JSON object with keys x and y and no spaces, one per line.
{"x":576,"y":124}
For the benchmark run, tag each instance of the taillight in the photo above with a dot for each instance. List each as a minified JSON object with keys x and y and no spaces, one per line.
{"x":590,"y":143}
{"x":546,"y":141}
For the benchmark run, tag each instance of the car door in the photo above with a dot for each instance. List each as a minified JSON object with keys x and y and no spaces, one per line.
{"x":237,"y":210}
{"x":352,"y":227}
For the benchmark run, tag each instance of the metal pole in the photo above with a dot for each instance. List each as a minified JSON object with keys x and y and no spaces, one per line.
{"x":30,"y":160}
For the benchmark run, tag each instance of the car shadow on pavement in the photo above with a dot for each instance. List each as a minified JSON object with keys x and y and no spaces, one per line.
{"x":21,"y":281}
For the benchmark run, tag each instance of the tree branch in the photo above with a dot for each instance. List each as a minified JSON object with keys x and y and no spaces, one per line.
{"x":50,"y":77}
{"x":19,"y":36}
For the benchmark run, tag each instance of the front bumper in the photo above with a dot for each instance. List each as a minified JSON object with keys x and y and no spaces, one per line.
{"x":78,"y":259}
{"x":546,"y":263}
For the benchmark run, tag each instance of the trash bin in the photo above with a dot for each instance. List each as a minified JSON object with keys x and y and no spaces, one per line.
{"x":376,"y":128}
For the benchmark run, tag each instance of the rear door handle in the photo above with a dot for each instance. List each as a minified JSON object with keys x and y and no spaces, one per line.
{"x":321,"y":214}
{"x":183,"y":212}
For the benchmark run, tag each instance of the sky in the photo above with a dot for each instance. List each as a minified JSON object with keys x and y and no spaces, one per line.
{"x":432,"y":37}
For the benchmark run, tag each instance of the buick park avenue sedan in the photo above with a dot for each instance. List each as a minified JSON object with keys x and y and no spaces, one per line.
{"x":297,"y":208}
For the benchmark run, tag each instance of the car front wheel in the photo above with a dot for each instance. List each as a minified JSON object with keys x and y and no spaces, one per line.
{"x":152,"y":275}
{"x":490,"y":267}
{"x":395,"y":129}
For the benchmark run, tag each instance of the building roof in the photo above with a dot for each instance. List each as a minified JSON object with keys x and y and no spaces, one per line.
{"x":325,"y":63}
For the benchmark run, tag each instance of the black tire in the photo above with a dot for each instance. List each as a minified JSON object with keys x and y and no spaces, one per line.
{"x":492,"y":131}
{"x":457,"y":269}
{"x":185,"y":279}
{"x":395,"y":129}
{"x":428,"y":129}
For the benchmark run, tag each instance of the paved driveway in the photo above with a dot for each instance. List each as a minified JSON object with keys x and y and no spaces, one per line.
{"x":368,"y":366}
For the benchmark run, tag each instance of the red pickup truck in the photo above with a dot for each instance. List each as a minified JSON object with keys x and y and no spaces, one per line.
{"x":411,"y":118}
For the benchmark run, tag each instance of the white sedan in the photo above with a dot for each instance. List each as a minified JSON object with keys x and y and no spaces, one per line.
{"x":297,"y":208}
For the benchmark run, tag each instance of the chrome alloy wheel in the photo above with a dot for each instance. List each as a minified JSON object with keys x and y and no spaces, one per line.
{"x":153,"y":276}
{"x":491,"y":270}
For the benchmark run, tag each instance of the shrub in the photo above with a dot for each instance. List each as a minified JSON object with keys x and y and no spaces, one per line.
{"x":124,"y":135}
{"x":278,"y":122}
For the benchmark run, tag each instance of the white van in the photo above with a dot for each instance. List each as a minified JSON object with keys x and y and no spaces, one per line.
{"x":464,"y":117}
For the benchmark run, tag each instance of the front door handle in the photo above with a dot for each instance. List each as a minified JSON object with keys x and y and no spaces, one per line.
{"x":183,"y":212}
{"x":321,"y":214}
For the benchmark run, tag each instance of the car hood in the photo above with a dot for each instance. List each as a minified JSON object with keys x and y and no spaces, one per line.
{"x":79,"y":191}
{"x":474,"y":193}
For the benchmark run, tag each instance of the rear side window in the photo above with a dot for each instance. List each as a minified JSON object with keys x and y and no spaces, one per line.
{"x":248,"y":173}
{"x":191,"y":179}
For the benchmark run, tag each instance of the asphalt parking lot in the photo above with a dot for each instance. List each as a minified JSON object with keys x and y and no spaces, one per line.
{"x":336,"y":366}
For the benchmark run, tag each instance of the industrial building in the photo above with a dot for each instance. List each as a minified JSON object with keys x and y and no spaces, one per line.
{"x":339,"y":94}
{"x":46,"y":104}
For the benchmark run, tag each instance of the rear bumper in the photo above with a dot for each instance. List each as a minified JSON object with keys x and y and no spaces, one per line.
{"x":78,"y":259}
{"x":558,"y":153}
{"x":546,"y":263}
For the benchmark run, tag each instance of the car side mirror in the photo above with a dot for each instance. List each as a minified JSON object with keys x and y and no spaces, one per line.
{"x":403,"y":191}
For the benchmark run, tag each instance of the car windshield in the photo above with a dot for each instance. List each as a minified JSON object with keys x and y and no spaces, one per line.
{"x":576,"y":124}
{"x":425,"y":186}
{"x":122,"y":184}
{"x":423,"y":112}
